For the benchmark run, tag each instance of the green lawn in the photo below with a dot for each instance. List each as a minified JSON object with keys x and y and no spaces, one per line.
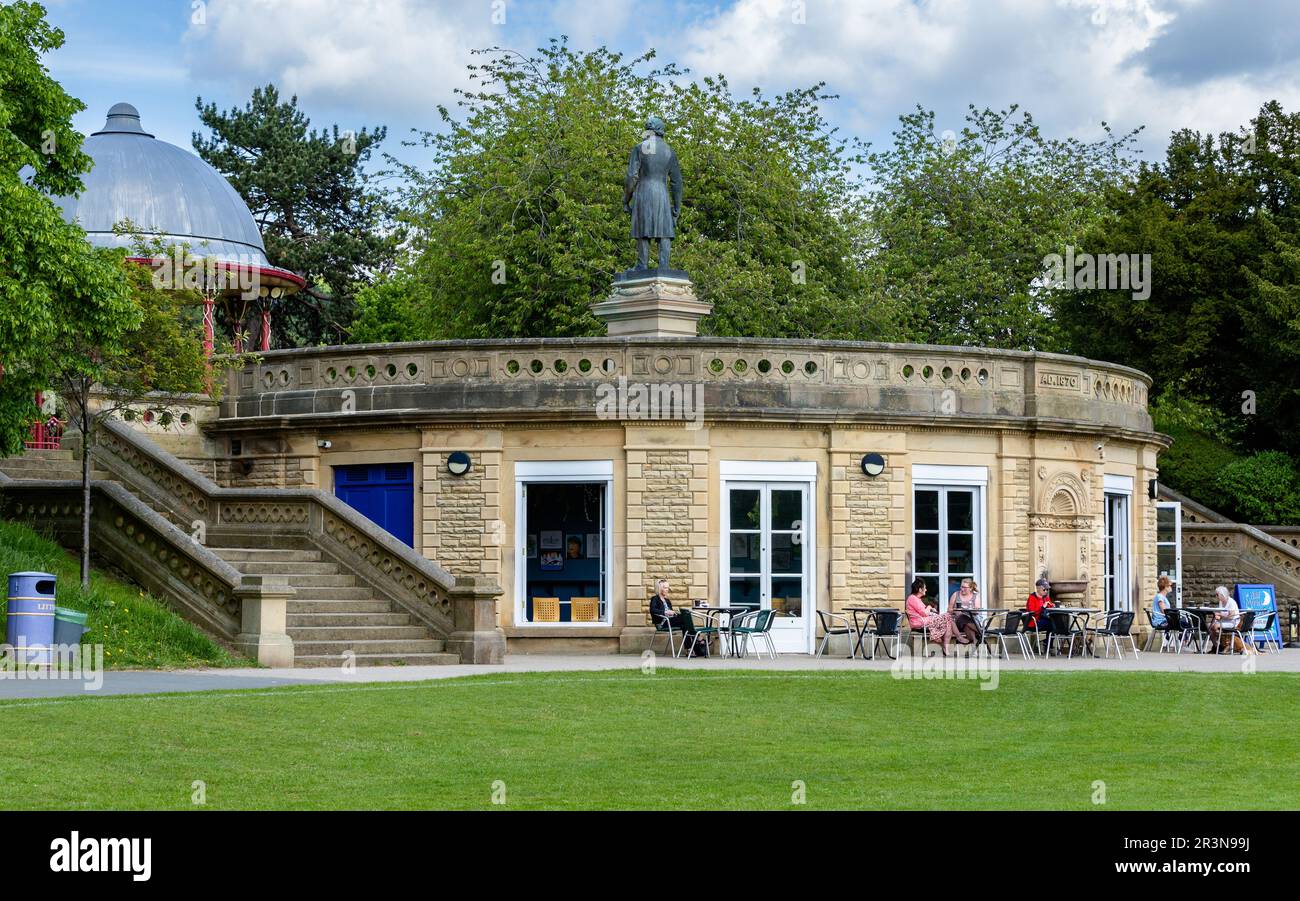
{"x":677,"y":739}
{"x":136,"y":630}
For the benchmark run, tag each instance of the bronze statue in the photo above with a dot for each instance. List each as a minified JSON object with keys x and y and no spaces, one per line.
{"x":646,"y":194}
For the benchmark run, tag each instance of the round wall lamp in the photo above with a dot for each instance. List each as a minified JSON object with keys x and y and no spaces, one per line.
{"x":873,"y":464}
{"x":458,"y":463}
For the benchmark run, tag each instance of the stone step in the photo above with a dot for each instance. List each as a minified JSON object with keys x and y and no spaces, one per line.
{"x":307,"y":584}
{"x":366,"y":603}
{"x":63,"y":453}
{"x":287,"y":567}
{"x":438,"y":659}
{"x":263,"y":540}
{"x":267,"y":554}
{"x":358,"y":593}
{"x":347,"y":618}
{"x":311,"y":635}
{"x":392,"y":647}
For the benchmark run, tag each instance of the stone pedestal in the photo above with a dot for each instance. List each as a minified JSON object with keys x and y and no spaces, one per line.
{"x":263,"y":604}
{"x":477,"y":636}
{"x":652,"y":303}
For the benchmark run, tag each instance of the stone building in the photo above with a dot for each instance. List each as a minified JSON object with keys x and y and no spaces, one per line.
{"x":446,"y":500}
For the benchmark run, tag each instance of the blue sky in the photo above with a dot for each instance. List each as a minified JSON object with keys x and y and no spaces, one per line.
{"x":1205,"y":64}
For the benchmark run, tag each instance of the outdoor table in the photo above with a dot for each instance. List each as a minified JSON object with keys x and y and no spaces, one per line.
{"x":1077,"y":611}
{"x":1207,"y":619}
{"x":861,"y":628}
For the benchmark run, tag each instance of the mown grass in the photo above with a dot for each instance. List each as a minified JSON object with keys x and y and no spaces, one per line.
{"x":677,"y":739}
{"x":137,"y":631}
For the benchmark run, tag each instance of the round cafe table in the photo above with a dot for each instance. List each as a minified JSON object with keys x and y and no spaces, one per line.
{"x":860,"y":627}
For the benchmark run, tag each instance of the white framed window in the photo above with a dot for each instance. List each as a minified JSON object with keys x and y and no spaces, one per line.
{"x":949,"y":524}
{"x":564,"y":519}
{"x":1169,"y":546}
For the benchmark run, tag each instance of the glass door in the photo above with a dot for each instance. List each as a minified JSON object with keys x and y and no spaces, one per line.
{"x":1169,"y":547}
{"x":1116,"y":569}
{"x":764,"y":556}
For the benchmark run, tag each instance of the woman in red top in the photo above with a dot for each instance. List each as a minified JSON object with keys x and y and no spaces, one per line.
{"x":942,"y":628}
{"x":1037,"y":605}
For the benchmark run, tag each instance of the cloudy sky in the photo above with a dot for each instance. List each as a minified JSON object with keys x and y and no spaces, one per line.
{"x":1205,"y":64}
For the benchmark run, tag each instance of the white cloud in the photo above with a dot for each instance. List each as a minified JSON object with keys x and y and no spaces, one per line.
{"x":1072,"y":63}
{"x":386,"y":56}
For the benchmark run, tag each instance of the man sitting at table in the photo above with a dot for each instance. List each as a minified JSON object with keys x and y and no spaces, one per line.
{"x":1038,"y":604}
{"x":661,"y":611}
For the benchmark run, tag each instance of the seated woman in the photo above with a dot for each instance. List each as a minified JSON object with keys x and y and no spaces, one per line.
{"x":661,"y":611}
{"x":1037,"y":606}
{"x":1160,"y":603}
{"x":1229,"y":616}
{"x":965,"y":599}
{"x":942,"y":629}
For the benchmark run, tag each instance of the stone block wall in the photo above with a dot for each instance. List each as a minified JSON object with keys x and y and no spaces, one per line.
{"x":462,"y":526}
{"x":667,"y":526}
{"x":866,"y":562}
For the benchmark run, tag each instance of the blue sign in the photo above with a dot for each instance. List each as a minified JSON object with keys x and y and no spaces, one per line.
{"x":1263,"y":600}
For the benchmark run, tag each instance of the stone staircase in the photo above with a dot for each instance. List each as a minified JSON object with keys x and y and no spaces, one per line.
{"x":47,"y":464}
{"x":333,"y":618}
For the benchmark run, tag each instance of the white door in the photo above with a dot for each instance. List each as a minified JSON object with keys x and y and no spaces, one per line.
{"x":1169,"y":547}
{"x":765,"y":556}
{"x":1118,"y":594}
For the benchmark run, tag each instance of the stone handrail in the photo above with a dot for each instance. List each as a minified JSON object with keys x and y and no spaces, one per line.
{"x":136,"y":540}
{"x":812,"y":380}
{"x":1248,"y":544}
{"x":196,"y":503}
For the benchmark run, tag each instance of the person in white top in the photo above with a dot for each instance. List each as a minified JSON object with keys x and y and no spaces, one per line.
{"x":1229,"y":616}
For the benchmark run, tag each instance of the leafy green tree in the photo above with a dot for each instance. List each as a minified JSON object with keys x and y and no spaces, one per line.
{"x":517,"y":223}
{"x":319,"y":211}
{"x":1219,"y":219}
{"x":962,"y":222}
{"x":52,"y":284}
{"x":131,"y":367}
{"x":1265,"y":488}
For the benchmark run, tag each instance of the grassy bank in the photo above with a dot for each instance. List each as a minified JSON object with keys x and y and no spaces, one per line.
{"x":678,"y":739}
{"x":137,"y":631}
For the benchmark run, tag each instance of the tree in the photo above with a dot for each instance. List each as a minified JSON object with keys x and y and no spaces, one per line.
{"x":317,"y":208}
{"x":52,"y":284}
{"x":962,"y":222}
{"x":517,"y":224}
{"x":155,"y":352}
{"x":1218,"y":217}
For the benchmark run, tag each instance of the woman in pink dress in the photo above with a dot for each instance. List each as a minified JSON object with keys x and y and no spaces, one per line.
{"x":942,"y":628}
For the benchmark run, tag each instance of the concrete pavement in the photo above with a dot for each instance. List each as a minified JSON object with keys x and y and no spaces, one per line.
{"x":126,"y":682}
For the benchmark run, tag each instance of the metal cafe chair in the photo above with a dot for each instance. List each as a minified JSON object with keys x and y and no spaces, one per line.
{"x":1068,"y":626}
{"x":1262,"y":634}
{"x":883,"y":625}
{"x":836,"y":624}
{"x":756,"y":624}
{"x":694,"y":632}
{"x":1003,"y":624}
{"x":664,"y":626}
{"x":1162,"y":631}
{"x":1118,"y":624}
{"x":1177,"y":629}
{"x":1245,"y":628}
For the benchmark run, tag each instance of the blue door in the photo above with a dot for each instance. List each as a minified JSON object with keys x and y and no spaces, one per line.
{"x":384,"y":493}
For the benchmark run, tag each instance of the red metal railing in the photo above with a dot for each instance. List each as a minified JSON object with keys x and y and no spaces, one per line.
{"x":47,"y":434}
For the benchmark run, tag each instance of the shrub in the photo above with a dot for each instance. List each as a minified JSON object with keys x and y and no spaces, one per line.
{"x":1264,"y":487}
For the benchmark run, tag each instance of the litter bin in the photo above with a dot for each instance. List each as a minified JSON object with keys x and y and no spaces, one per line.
{"x":30,"y":617}
{"x":69,"y":626}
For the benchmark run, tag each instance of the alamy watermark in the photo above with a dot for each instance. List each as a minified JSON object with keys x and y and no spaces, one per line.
{"x":1100,"y":272}
{"x":651,"y":401}
{"x":69,"y":662}
{"x":983,"y":668}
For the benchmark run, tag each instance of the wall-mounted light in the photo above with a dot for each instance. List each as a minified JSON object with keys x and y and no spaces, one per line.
{"x":324,"y":444}
{"x":458,"y":463}
{"x":873,"y":464}
{"x":1153,"y":488}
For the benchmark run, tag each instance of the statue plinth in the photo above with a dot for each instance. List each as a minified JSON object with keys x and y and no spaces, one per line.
{"x":652,"y":303}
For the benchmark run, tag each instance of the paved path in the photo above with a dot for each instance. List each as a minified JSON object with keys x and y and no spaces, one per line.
{"x":120,"y":682}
